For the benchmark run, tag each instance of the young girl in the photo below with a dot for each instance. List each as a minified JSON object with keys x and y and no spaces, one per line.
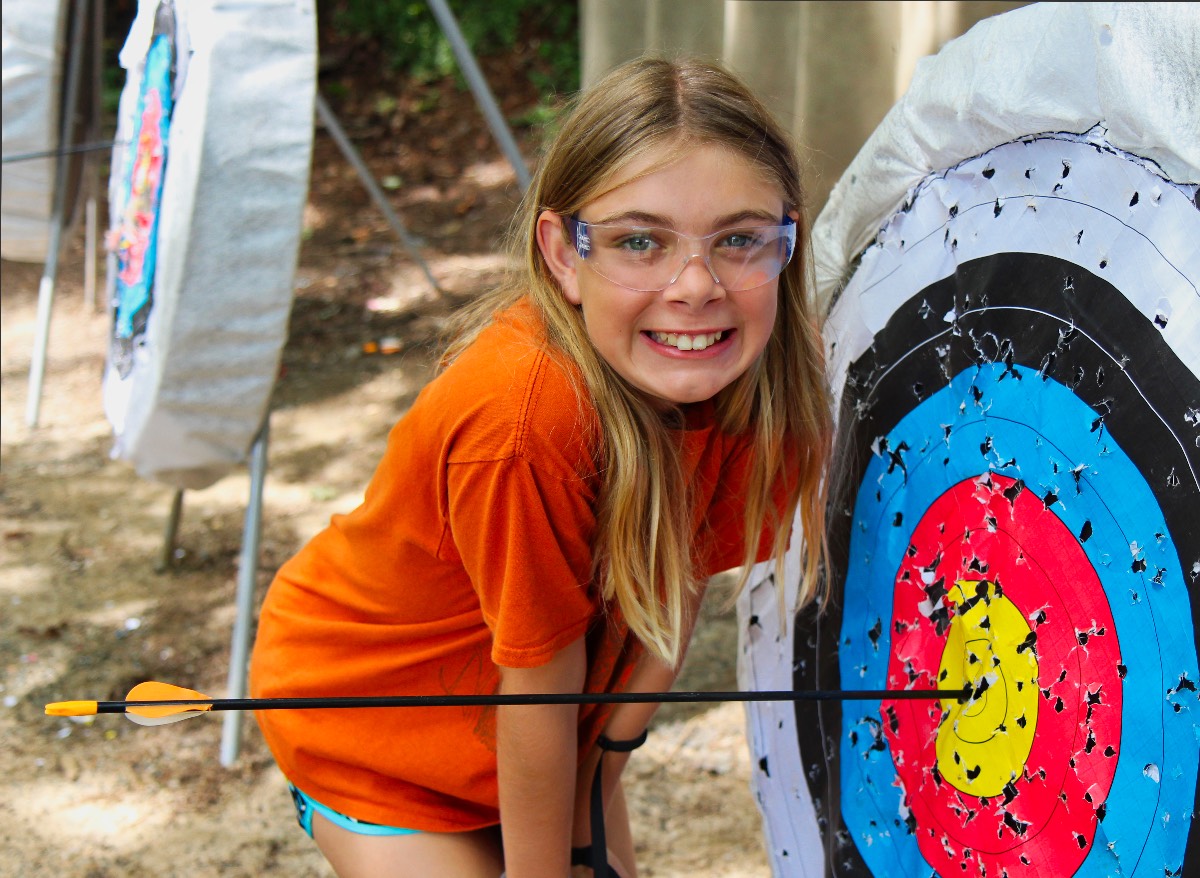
{"x":641,"y":408}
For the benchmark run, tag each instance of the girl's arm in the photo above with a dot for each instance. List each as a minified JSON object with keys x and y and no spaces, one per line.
{"x":626,"y":721}
{"x":536,"y":763}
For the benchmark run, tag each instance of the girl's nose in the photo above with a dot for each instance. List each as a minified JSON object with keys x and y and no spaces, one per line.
{"x":695,"y":283}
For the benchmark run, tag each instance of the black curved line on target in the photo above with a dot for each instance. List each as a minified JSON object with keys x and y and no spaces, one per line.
{"x":1039,"y":196}
{"x":1023,"y":299}
{"x":901,"y":363}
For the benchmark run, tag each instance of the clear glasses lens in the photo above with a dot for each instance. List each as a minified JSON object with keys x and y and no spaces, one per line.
{"x":651,"y":259}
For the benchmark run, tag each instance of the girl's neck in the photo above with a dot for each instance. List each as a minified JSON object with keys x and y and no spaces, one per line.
{"x":689,"y":416}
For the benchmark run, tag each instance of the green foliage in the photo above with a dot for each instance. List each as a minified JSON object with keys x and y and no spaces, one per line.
{"x":412,"y":41}
{"x":112,"y":82}
{"x":559,"y":46}
{"x":544,"y":117}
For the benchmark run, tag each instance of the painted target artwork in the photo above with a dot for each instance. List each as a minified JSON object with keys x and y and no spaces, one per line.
{"x":1016,"y":360}
{"x":139,"y":194}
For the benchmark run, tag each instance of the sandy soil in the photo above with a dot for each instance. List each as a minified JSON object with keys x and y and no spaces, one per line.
{"x":84,"y":614}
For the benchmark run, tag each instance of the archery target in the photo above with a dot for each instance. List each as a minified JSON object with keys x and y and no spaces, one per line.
{"x":33,"y":35}
{"x":1016,"y":363}
{"x":206,"y":208}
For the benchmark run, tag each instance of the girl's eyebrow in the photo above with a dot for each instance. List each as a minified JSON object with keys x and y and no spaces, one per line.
{"x":643,"y":218}
{"x":635,"y":218}
{"x":745,"y":216}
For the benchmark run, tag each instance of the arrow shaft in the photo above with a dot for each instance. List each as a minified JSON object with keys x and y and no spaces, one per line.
{"x":374,"y":701}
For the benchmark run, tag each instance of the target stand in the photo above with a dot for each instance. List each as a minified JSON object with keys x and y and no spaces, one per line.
{"x":248,"y":563}
{"x":197,"y":200}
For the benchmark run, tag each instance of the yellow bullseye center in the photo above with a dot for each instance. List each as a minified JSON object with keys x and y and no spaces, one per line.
{"x":983,"y":743}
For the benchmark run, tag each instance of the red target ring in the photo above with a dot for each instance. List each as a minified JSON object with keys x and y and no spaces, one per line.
{"x":982,"y":780}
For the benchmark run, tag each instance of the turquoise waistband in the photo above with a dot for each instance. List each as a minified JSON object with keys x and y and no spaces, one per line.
{"x":306,"y":806}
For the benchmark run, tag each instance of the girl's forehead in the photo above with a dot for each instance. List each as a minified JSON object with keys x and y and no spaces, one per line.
{"x":675,"y":179}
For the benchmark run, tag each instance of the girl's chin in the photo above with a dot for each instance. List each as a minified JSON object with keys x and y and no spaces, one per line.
{"x":665,"y":395}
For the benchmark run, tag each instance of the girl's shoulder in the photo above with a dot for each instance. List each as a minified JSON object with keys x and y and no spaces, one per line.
{"x":510,"y":394}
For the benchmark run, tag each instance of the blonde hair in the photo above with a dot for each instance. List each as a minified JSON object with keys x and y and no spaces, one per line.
{"x":643,"y":545}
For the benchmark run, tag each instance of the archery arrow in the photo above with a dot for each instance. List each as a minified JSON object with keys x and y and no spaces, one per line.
{"x":147,"y":704}
{"x":154,"y":703}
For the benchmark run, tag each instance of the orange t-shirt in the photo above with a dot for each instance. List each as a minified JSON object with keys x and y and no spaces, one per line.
{"x":471,"y":551}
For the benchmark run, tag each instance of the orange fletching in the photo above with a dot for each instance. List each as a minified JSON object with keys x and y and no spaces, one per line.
{"x":153,"y":691}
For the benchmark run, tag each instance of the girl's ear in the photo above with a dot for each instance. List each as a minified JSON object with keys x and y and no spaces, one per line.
{"x":558,"y":253}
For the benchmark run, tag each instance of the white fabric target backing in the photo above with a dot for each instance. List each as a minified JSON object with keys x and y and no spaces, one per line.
{"x":33,"y":66}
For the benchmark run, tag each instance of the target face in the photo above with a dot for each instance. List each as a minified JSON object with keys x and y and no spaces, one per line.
{"x":140,"y":190}
{"x":1005,"y":581}
{"x":1016,"y":365}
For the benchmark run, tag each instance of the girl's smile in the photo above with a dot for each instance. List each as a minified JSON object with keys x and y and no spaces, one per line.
{"x":691,"y":340}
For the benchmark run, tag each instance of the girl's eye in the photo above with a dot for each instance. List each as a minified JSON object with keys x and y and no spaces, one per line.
{"x":739,"y":241}
{"x":637,"y":243}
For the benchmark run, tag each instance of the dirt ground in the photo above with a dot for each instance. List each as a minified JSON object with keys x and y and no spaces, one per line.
{"x":84,"y":614}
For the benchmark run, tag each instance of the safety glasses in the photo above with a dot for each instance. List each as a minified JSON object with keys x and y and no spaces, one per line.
{"x":647,"y":259}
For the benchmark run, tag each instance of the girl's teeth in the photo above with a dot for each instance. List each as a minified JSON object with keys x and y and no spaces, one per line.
{"x":687,"y":342}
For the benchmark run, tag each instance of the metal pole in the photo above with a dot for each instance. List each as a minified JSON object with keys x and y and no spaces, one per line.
{"x":364,"y":174}
{"x":110,"y":259}
{"x":239,"y":654}
{"x":170,"y":534}
{"x":89,"y":246}
{"x":91,"y":163}
{"x":41,"y":340}
{"x":483,"y":94}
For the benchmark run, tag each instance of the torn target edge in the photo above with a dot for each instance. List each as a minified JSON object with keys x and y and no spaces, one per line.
{"x":1130,"y":68}
{"x":946,"y":252}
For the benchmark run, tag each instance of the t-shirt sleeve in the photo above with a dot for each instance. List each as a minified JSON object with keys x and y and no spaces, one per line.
{"x":524,"y":535}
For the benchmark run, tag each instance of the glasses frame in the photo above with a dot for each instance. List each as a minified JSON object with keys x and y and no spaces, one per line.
{"x":701,"y":246}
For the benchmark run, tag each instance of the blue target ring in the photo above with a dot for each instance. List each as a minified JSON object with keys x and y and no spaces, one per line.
{"x":937,"y":445}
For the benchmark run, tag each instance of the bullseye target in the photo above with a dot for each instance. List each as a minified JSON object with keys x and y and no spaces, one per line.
{"x":1016,"y":513}
{"x":1006,"y":581}
{"x":984,"y":608}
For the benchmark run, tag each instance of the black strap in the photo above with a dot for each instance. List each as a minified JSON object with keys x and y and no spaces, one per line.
{"x":608,"y":744}
{"x":596,"y":854}
{"x":582,"y":857}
